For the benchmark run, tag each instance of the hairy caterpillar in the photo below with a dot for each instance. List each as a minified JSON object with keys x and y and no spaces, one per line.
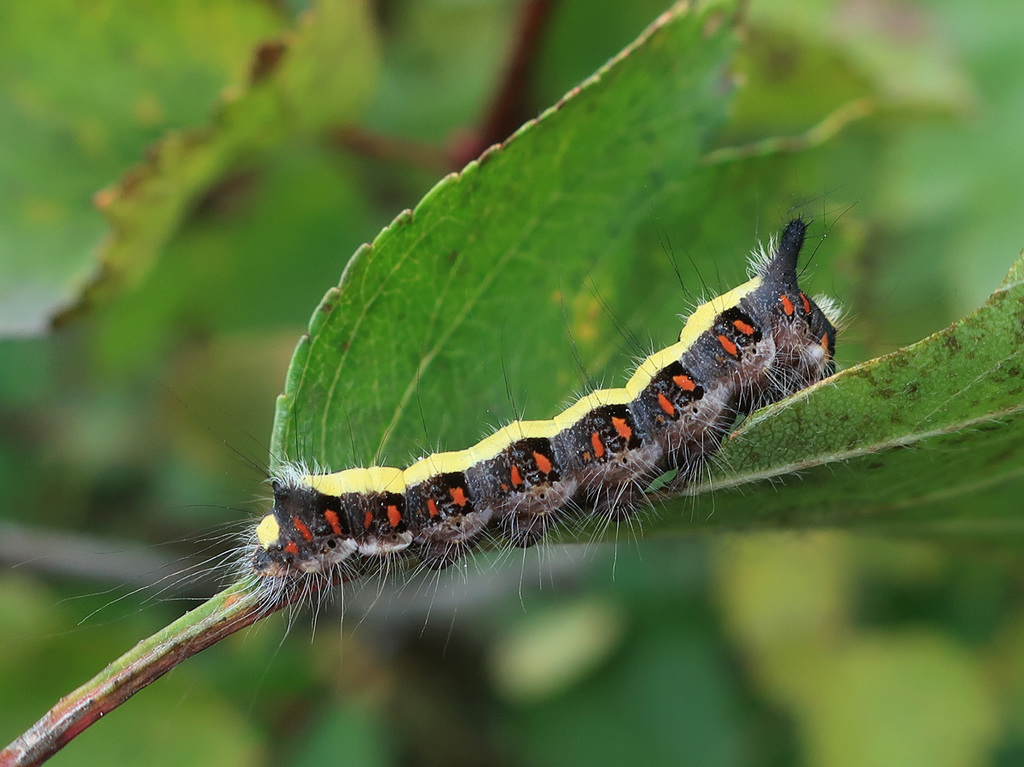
{"x":751,"y":346}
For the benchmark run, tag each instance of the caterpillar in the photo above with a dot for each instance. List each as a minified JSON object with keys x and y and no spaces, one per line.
{"x":742,"y":350}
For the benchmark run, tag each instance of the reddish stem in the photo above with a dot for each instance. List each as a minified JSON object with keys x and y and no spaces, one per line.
{"x":236,"y":607}
{"x":510,"y":107}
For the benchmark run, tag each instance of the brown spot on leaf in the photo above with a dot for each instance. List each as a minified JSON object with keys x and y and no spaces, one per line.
{"x":266,"y":59}
{"x":230,"y":195}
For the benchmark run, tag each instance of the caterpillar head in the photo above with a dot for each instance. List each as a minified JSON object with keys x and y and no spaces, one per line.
{"x":300,"y":534}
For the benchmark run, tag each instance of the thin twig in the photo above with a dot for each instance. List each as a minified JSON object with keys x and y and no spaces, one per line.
{"x":78,"y":556}
{"x":234,"y":608}
{"x":832,"y":124}
{"x":377,"y":146}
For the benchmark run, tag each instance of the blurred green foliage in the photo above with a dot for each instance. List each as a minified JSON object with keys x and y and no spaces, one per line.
{"x":122,"y":429}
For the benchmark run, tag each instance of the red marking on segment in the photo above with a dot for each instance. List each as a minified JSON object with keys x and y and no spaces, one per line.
{"x":622,"y":428}
{"x":684,"y":382}
{"x":824,"y":342}
{"x":332,"y":519}
{"x":744,"y":327}
{"x":807,"y":304}
{"x":517,"y":478}
{"x":665,"y":404}
{"x":543,"y":462}
{"x":304,"y":531}
{"x":394,"y":515}
{"x":291,"y":547}
{"x":787,"y":305}
{"x":729,"y":346}
{"x":432,"y":507}
{"x":595,"y":440}
{"x":459,"y":496}
{"x":367,"y":520}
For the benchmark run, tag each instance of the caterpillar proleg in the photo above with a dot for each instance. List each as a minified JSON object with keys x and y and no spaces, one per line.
{"x":749,"y":347}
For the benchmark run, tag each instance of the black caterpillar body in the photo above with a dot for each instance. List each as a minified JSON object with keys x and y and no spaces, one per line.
{"x":754,"y":345}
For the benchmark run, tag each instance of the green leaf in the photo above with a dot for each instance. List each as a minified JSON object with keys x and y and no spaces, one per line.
{"x":78,"y":103}
{"x":53,"y":253}
{"x":486,"y":286}
{"x":315,"y":78}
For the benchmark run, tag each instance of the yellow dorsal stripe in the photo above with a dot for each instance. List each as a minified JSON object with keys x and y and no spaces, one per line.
{"x":387,"y":479}
{"x":372,"y":479}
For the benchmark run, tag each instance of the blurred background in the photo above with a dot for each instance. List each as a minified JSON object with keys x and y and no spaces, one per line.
{"x":144,"y":336}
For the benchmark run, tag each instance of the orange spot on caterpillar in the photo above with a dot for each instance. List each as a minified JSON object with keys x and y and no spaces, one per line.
{"x":684,"y":382}
{"x":543,"y":462}
{"x":807,"y":304}
{"x":459,"y":496}
{"x":394,"y":516}
{"x":432,"y":507}
{"x":304,"y":531}
{"x":595,"y":440}
{"x":667,"y":406}
{"x":622,"y":428}
{"x":332,"y":519}
{"x":291,"y":547}
{"x":367,"y":520}
{"x":744,"y":327}
{"x":729,"y":346}
{"x":517,"y":478}
{"x":787,"y":305}
{"x":824,"y":342}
